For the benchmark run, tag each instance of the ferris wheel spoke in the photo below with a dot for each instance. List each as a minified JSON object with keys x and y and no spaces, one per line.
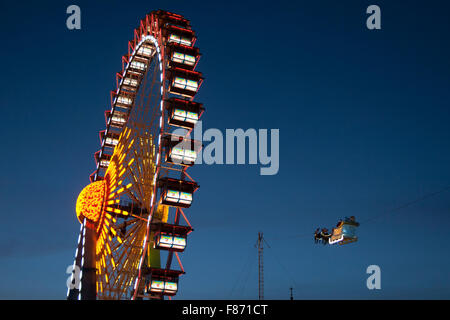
{"x":148,"y":101}
{"x":130,"y":251}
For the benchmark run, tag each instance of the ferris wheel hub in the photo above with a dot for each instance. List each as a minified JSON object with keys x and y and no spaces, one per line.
{"x":90,"y":201}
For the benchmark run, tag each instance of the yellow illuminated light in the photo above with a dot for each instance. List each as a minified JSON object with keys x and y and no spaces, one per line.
{"x":90,"y":201}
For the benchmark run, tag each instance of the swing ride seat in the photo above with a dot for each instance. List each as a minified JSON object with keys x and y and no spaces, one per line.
{"x":345,"y":232}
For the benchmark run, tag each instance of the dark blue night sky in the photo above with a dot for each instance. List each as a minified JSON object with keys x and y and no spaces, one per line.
{"x":364,"y":129}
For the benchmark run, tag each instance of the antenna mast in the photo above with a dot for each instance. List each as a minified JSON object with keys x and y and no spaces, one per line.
{"x":260,"y":266}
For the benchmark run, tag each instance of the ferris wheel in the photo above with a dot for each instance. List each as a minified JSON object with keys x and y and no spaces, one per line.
{"x":132,"y":214}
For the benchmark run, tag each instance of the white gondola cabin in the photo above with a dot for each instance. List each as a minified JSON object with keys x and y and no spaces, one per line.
{"x":102,"y":159}
{"x":170,"y":237}
{"x":110,"y":139}
{"x":179,"y":35}
{"x":181,"y":151}
{"x":182,"y":57}
{"x":183,"y":113}
{"x":116,"y":119}
{"x":184,"y":82}
{"x":162,"y":281}
{"x":177,"y":193}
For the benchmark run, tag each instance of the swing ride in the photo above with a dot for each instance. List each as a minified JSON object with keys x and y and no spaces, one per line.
{"x":343,"y":233}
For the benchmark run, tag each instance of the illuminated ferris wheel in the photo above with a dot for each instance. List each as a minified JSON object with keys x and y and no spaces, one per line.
{"x":132,"y":214}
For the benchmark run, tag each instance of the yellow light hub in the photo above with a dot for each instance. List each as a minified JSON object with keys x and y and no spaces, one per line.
{"x":90,"y":201}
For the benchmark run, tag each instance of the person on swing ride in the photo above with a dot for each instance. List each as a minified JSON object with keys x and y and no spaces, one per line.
{"x":317,"y":235}
{"x":325,"y":235}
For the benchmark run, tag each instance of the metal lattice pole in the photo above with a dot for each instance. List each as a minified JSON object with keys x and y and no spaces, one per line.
{"x":260,"y":266}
